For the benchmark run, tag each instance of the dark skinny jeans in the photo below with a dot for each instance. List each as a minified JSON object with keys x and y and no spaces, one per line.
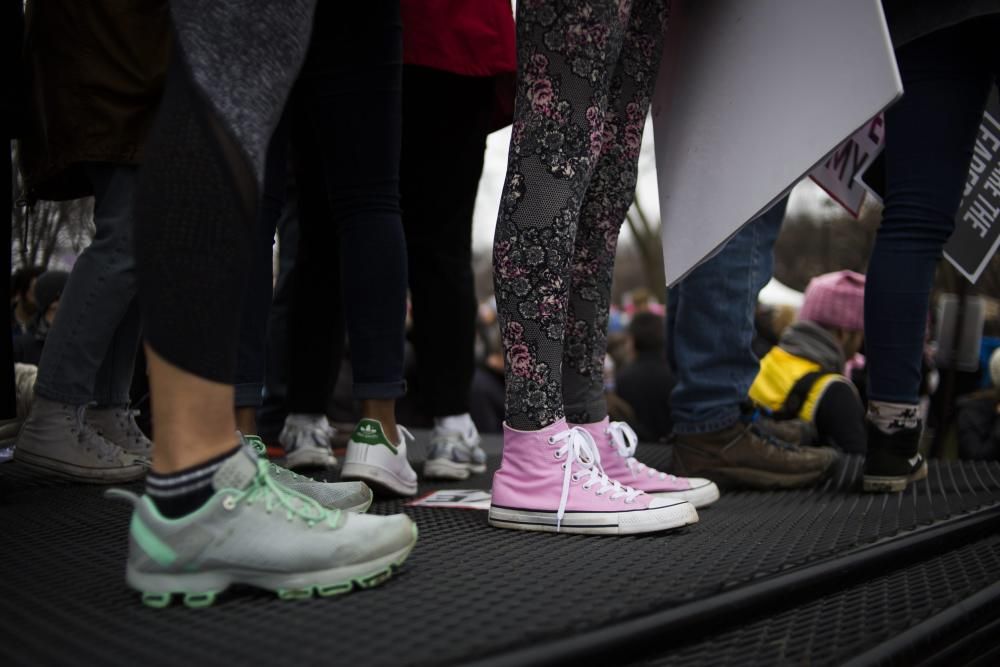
{"x":930,"y":134}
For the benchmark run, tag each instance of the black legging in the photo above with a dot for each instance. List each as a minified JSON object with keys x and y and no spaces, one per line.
{"x":446,"y":120}
{"x":195,"y":207}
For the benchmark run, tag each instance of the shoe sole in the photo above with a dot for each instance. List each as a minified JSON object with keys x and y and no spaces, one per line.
{"x":596,"y":523}
{"x":892,"y":483}
{"x":702,"y":496}
{"x":80,"y":473}
{"x":446,"y":469}
{"x":309,"y":458}
{"x":202,"y":589}
{"x":760,"y":479}
{"x":379,"y":479}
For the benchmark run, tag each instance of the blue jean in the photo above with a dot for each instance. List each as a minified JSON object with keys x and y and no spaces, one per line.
{"x":710,"y":328}
{"x":346,"y":159}
{"x":251,"y":352}
{"x":930,"y":134}
{"x":90,"y":351}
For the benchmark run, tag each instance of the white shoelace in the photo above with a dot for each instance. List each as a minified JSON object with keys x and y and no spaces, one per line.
{"x":578,"y":447}
{"x":404,"y":435}
{"x":92,"y":440}
{"x":625,"y":441}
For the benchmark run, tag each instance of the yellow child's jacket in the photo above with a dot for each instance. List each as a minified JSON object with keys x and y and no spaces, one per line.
{"x":779,"y":371}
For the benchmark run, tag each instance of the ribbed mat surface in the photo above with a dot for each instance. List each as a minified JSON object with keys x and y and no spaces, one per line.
{"x":833,"y":629}
{"x":467,"y":591}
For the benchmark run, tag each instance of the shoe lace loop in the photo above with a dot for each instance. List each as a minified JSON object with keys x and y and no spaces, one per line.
{"x":578,"y":447}
{"x":625,"y":442}
{"x":275,"y":496}
{"x":261,"y":449}
{"x":88,"y":435}
{"x":770,"y":438}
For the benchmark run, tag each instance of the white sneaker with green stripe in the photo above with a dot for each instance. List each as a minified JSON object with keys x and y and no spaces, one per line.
{"x":348,"y":496}
{"x":258,"y":532}
{"x":372,"y":458}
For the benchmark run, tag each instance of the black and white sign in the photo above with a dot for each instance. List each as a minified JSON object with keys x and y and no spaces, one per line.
{"x":470,"y":499}
{"x":977,"y":225}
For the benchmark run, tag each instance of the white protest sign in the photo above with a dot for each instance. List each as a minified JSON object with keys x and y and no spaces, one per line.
{"x":471,"y":499}
{"x":840,"y":174}
{"x":750,"y":97}
{"x":977,"y":228}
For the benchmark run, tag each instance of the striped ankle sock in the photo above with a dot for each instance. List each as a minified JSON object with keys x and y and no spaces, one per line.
{"x":179,"y":493}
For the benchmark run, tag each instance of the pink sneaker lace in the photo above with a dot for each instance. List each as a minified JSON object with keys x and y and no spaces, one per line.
{"x":625,"y":441}
{"x":579,"y":447}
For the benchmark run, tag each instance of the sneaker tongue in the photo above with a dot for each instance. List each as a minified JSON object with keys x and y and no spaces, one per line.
{"x":237,"y":471}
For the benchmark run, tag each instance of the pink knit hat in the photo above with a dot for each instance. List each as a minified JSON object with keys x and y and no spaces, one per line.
{"x":836,"y":300}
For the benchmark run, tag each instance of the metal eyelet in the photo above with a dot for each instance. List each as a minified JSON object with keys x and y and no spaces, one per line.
{"x":552,"y":440}
{"x":229,"y":503}
{"x":559,"y":455}
{"x":576,"y":478}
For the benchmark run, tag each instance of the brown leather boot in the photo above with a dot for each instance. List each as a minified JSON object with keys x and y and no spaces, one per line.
{"x":792,"y":431}
{"x":738,"y":456}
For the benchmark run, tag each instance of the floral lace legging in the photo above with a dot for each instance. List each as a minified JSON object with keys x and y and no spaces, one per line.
{"x":586,"y":70}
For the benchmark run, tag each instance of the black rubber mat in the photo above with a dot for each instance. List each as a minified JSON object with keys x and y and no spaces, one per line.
{"x":467,"y":592}
{"x":916,"y":604}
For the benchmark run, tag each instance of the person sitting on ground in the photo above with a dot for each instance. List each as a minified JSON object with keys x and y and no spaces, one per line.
{"x":979,"y":419}
{"x":802,"y":377}
{"x":48,"y":290}
{"x":22,"y":299}
{"x":646,"y":382}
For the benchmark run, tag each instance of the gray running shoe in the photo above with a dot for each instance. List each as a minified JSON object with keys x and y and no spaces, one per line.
{"x":117,"y":424}
{"x":347,"y":496}
{"x":258,"y":532}
{"x":307,"y":440}
{"x":56,"y":438}
{"x":454,"y":455}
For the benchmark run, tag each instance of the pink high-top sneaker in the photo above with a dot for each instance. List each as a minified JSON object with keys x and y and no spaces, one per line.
{"x":552,"y":480}
{"x":616,"y":442}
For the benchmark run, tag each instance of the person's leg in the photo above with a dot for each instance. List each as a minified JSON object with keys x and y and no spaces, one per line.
{"x":444,"y":132}
{"x":91,"y":348}
{"x":359,"y":56}
{"x":709,"y":346}
{"x":9,"y":423}
{"x":557,"y":137}
{"x":257,"y":301}
{"x":609,"y":195}
{"x":315,"y":342}
{"x":711,"y":328}
{"x":563,"y":122}
{"x":110,"y":414}
{"x":97,"y":298}
{"x":273,"y":410}
{"x":208,"y":500}
{"x":929,"y":138}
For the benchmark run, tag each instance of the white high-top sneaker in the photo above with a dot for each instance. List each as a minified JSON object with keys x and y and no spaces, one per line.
{"x":117,"y":424}
{"x":56,"y":438}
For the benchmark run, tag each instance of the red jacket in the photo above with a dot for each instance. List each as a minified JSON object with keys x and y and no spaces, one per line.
{"x":468,"y":37}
